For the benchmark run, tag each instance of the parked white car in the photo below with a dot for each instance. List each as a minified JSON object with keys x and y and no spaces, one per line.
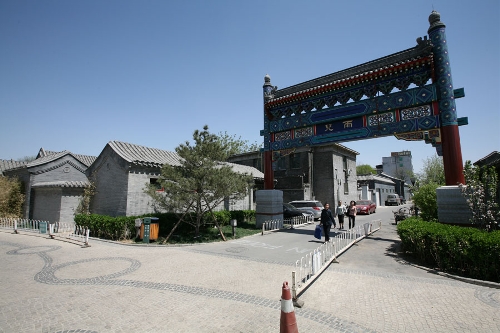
{"x":311,"y":206}
{"x":392,"y":200}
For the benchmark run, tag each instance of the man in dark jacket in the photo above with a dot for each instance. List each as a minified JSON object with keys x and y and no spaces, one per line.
{"x":327,"y":221}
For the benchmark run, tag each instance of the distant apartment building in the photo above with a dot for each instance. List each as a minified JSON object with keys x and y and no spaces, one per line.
{"x":398,"y":165}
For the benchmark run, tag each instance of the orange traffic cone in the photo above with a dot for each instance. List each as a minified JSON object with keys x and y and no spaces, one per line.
{"x":288,"y":323}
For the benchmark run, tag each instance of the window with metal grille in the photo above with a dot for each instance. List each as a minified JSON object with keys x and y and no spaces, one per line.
{"x":156,"y":184}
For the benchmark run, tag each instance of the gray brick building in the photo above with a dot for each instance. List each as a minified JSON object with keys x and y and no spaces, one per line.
{"x":54,"y":182}
{"x":375,"y":188}
{"x":326,"y":173}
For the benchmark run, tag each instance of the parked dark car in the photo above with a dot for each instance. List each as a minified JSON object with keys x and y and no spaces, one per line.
{"x":366,"y":207}
{"x":403,"y":200}
{"x":290,"y":211}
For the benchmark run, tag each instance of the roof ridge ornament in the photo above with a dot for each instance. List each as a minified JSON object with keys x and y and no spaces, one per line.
{"x":269,"y":90}
{"x":423,"y":43}
{"x":435,"y":21}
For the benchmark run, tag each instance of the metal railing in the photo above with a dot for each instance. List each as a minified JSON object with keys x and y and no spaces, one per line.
{"x":29,"y":225}
{"x":80,"y":234}
{"x":67,"y":230}
{"x":64,"y":227}
{"x":298,"y":221}
{"x":272,"y":225}
{"x":294,"y":222}
{"x":314,"y":263}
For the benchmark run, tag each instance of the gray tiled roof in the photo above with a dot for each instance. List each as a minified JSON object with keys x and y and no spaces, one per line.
{"x":86,"y":160}
{"x":376,"y":178}
{"x":491,"y":159}
{"x":10,"y":164}
{"x":153,"y":157}
{"x":384,"y":175}
{"x":42,"y":152}
{"x":76,"y":184}
{"x":145,"y":156}
{"x":47,"y":158}
{"x":238,"y":168}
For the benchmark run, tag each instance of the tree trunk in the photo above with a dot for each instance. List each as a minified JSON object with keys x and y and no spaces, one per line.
{"x":216,"y":224}
{"x":177,"y":224}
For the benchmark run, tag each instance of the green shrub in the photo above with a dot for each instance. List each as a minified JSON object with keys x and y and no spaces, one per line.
{"x":11,"y":197}
{"x":222,"y":217}
{"x":458,"y":250}
{"x":243,"y":215}
{"x":119,"y":228}
{"x":107,"y":227}
{"x":425,"y":199}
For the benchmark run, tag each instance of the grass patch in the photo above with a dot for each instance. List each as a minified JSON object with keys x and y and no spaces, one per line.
{"x":208,"y":234}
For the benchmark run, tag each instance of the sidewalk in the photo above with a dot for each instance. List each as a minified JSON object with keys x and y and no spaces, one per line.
{"x":56,"y":286}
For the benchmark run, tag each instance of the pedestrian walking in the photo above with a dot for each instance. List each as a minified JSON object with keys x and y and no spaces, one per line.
{"x":352,"y":211}
{"x":327,"y":220}
{"x":340,"y":212}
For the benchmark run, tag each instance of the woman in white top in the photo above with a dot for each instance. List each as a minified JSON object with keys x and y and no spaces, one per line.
{"x":340,"y":211}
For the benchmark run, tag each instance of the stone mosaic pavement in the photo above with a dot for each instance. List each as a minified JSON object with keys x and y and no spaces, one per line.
{"x":54,"y":286}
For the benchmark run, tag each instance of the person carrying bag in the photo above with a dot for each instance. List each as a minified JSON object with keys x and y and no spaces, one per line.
{"x":327,"y":221}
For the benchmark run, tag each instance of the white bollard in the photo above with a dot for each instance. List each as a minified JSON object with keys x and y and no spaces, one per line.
{"x":87,"y":237}
{"x":51,"y":230}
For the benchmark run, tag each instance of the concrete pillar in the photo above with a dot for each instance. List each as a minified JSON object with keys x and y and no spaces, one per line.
{"x":269,"y":206}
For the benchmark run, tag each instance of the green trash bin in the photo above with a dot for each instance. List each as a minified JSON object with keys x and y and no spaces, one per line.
{"x":149,"y":229}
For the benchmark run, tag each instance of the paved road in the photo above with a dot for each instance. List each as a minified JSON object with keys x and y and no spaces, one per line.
{"x":55,"y":286}
{"x":286,"y":246}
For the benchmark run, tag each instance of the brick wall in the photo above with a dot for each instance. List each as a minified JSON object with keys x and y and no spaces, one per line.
{"x":139,"y":202}
{"x":110,"y":175}
{"x":47,"y":204}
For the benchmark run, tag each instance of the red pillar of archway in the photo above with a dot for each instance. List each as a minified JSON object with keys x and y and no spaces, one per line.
{"x":268,"y":171}
{"x":268,"y":154}
{"x":450,"y":138}
{"x":452,"y":155}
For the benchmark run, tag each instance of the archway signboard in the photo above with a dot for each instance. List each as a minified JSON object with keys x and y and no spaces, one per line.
{"x":408,"y":94}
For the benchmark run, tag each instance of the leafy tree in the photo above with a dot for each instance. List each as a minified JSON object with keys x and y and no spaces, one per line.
{"x":425,"y":198}
{"x":11,"y":197}
{"x":365,"y":169}
{"x":235,"y":145}
{"x":201,"y":181}
{"x":480,"y":193}
{"x":405,"y":174}
{"x":88,"y":194}
{"x":27,"y":159}
{"x":433,"y":171}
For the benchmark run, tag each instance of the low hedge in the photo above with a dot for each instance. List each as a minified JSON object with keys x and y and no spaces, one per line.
{"x":107,"y":227}
{"x":123,"y":227}
{"x":457,"y":250}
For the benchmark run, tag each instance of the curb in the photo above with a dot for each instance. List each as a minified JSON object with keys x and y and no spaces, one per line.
{"x":481,"y":283}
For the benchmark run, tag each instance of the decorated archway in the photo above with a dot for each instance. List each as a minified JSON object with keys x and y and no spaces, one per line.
{"x":408,"y":94}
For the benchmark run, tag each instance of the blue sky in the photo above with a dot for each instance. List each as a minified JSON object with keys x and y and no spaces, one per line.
{"x":75,"y":75}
